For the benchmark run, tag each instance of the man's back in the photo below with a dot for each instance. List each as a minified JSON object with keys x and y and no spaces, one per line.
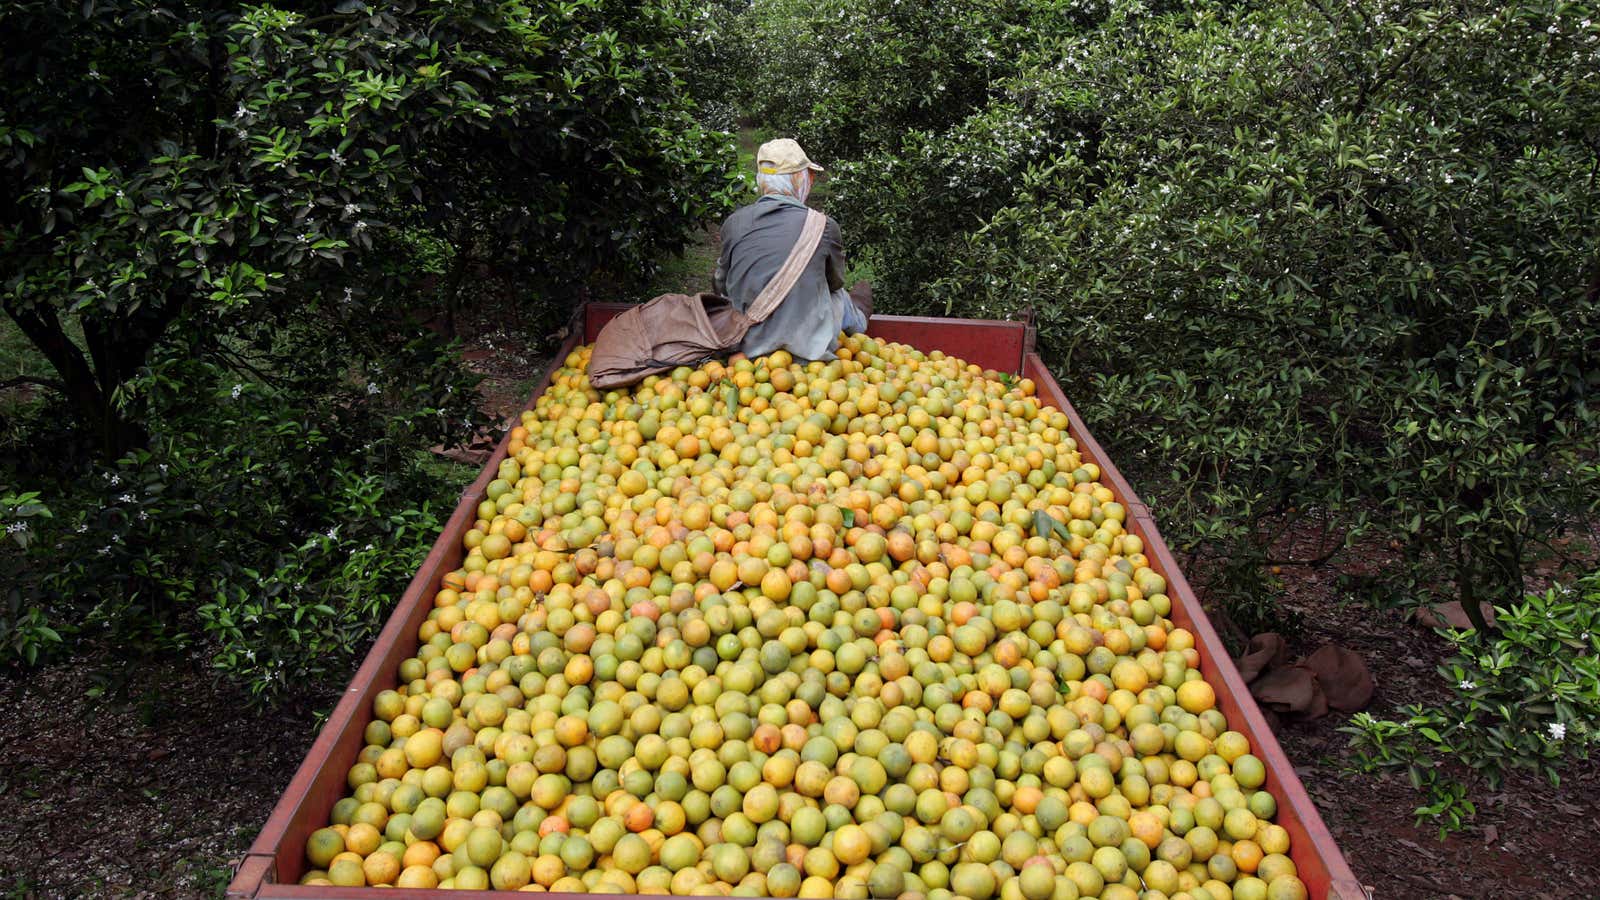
{"x":756,"y":240}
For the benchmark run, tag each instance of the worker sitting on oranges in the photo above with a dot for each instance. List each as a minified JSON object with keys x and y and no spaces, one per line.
{"x":757,"y":240}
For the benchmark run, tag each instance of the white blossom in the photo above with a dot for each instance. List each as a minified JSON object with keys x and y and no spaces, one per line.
{"x":336,"y":157}
{"x":351,"y":209}
{"x":1558,"y":731}
{"x":372,"y":389}
{"x":1467,"y":685}
{"x":17,"y":528}
{"x":237,"y":390}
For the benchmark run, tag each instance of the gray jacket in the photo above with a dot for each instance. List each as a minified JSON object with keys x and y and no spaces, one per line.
{"x":756,"y":240}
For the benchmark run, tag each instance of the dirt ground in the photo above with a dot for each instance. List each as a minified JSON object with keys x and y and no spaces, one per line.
{"x":1528,"y":840}
{"x":150,"y":794}
{"x":155,"y":787}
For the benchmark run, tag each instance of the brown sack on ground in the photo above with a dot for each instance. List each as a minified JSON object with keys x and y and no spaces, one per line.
{"x":1452,"y":615}
{"x":1291,"y":689}
{"x":1342,"y":674}
{"x":1265,"y":651}
{"x":1331,"y":677}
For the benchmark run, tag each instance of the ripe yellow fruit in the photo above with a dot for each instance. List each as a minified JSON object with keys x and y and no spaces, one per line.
{"x":323,"y":845}
{"x":795,"y":629}
{"x":1196,"y":696}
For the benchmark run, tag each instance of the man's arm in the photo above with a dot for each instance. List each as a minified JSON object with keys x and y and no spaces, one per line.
{"x":834,"y":242}
{"x":719,"y":276}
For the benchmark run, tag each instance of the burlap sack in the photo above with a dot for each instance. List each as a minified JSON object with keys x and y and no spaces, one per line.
{"x":669,"y":331}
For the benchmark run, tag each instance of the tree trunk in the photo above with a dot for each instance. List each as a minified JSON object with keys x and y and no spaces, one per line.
{"x":89,"y":396}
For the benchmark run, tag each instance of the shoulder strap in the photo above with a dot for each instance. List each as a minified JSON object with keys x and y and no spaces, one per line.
{"x":789,"y":273}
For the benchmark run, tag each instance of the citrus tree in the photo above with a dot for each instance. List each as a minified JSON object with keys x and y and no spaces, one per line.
{"x":203,"y":165}
{"x":224,"y":225}
{"x":1324,"y":271}
{"x":855,"y":78}
{"x":1330,"y":263}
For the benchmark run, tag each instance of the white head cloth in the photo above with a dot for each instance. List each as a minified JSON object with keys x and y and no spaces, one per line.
{"x":793,"y":184}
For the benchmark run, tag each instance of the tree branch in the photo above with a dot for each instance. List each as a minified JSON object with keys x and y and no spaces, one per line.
{"x":238,"y":363}
{"x":43,"y":329}
{"x":54,"y":384}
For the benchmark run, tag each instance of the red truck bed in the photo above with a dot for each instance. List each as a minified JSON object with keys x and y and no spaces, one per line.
{"x":276,"y":860}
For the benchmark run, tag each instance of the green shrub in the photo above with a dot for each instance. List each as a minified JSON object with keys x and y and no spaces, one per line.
{"x":267,"y":526}
{"x":25,"y":632}
{"x":203,"y":168}
{"x":223,"y":227}
{"x":1298,"y":265}
{"x":1526,"y":697}
{"x":851,"y":79}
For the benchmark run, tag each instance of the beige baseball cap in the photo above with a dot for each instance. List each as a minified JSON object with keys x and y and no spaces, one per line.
{"x":783,"y":157}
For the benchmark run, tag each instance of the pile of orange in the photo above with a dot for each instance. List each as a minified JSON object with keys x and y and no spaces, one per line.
{"x":863,"y":628}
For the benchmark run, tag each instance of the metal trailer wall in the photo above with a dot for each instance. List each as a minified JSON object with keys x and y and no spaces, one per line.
{"x":276,"y":860}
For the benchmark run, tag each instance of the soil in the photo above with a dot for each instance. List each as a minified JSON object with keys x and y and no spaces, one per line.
{"x":156,"y":786}
{"x":151,"y":791}
{"x":1528,"y":839}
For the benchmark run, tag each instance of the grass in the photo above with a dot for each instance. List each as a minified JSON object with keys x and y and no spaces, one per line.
{"x":18,"y":403}
{"x":18,"y":357}
{"x":17,"y":354}
{"x":688,"y":272}
{"x":456,"y":475}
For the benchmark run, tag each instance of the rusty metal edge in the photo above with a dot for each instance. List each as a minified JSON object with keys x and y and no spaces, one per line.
{"x":269,"y":857}
{"x":608,"y":309}
{"x":1336,"y":880}
{"x":298,"y":799}
{"x":886,"y":327}
{"x":311,"y":892}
